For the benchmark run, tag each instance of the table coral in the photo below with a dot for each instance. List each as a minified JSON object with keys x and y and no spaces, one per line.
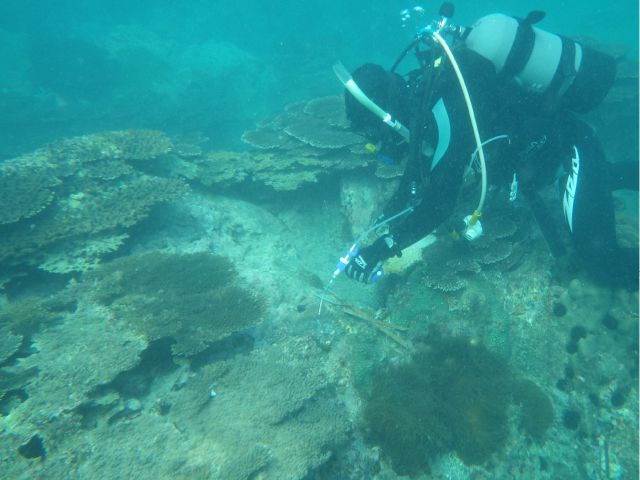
{"x":278,"y":171}
{"x":25,"y":190}
{"x":74,"y":358}
{"x":193,"y":298}
{"x":75,"y":189}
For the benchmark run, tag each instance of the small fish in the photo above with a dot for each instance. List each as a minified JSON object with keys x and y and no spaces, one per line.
{"x":418,"y":9}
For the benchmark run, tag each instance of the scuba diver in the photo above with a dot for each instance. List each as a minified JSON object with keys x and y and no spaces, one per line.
{"x":518,"y":88}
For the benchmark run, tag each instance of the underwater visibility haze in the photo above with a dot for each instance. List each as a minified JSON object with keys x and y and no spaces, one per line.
{"x":217,"y":261}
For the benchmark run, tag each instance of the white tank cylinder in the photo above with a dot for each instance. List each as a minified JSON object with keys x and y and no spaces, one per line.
{"x":558,"y":70}
{"x":493,"y":37}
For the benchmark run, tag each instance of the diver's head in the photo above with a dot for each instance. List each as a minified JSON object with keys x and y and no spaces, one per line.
{"x":386,"y":89}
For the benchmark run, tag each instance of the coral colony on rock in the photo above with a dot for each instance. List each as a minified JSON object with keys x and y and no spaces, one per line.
{"x":159,"y":319}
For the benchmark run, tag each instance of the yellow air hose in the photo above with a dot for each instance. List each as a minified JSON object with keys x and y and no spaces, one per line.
{"x":472,"y":116}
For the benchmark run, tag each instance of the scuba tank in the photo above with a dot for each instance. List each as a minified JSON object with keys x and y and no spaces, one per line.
{"x":557,"y":70}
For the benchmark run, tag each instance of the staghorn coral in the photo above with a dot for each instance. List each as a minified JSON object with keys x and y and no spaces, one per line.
{"x":190,"y":298}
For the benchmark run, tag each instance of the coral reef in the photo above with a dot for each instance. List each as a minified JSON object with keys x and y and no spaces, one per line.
{"x":451,"y":397}
{"x":82,"y":255}
{"x":74,"y":361}
{"x":305,"y":143}
{"x":139,"y":145}
{"x":190,"y":298}
{"x":29,"y":315}
{"x":447,"y":264}
{"x":9,"y":343}
{"x":168,"y":364}
{"x":291,"y":421}
{"x":280,"y":171}
{"x":319,"y":123}
{"x":260,"y":413}
{"x":24,"y":192}
{"x":79,"y":190}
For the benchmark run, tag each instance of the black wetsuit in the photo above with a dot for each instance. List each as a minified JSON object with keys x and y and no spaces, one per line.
{"x":542,"y":149}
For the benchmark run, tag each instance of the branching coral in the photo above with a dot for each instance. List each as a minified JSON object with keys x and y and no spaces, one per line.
{"x":134,"y":145}
{"x":329,"y":108}
{"x":28,"y":316}
{"x":307,"y":141}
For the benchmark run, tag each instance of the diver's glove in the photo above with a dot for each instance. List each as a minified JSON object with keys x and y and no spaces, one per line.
{"x":367,"y":265}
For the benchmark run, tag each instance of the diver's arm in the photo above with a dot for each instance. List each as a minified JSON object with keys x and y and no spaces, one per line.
{"x":437,"y":205}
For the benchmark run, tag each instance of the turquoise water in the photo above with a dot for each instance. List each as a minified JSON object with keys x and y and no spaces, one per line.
{"x":72,"y":66}
{"x":177,"y":183}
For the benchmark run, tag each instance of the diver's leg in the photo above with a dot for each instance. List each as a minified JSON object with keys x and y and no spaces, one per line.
{"x":589,"y":213}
